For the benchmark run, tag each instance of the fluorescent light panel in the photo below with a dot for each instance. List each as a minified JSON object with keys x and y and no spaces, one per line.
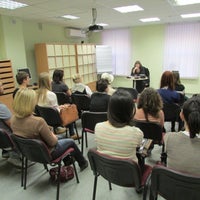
{"x":126,"y":9}
{"x":11,"y":4}
{"x":152,"y":19}
{"x":184,"y":2}
{"x":70,"y":17}
{"x":190,"y":15}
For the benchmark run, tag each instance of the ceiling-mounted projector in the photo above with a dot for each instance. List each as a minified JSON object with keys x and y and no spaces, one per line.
{"x":95,"y":28}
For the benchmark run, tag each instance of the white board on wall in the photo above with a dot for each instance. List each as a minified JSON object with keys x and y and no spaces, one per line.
{"x":103,"y":58}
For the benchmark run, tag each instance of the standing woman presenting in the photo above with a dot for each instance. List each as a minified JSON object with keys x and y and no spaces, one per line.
{"x":137,"y":70}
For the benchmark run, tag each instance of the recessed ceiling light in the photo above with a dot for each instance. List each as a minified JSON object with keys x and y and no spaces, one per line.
{"x":70,"y":17}
{"x":102,"y":24}
{"x":152,"y":19}
{"x":183,"y":2}
{"x":8,"y":4}
{"x":190,"y":15}
{"x":126,"y":9}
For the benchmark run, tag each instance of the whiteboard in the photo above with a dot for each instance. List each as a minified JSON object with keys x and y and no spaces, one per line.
{"x":103,"y":58}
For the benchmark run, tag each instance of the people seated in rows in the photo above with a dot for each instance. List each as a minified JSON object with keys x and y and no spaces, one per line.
{"x":58,"y":84}
{"x":47,"y":98}
{"x":13,"y":156}
{"x":36,"y":127}
{"x":182,"y":148}
{"x":110,"y":79}
{"x":149,"y":107}
{"x":100,"y":98}
{"x":79,"y":87}
{"x":116,"y":137}
{"x":138,"y":70}
{"x":22,"y":80}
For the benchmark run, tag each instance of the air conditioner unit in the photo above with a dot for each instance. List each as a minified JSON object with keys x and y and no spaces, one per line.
{"x":76,"y":33}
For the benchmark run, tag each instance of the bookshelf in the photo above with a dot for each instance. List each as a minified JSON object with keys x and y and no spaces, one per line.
{"x":7,"y":79}
{"x":70,"y":58}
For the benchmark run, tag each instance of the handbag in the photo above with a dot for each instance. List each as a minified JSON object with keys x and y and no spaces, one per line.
{"x":66,"y":173}
{"x":68,"y":114}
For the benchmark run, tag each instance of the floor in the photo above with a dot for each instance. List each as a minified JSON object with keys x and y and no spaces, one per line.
{"x":39,"y":187}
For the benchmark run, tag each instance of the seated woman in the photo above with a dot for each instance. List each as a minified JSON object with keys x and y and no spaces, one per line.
{"x":183,"y":148}
{"x":116,"y":137}
{"x":36,"y":128}
{"x":149,"y":107}
{"x":110,"y":79}
{"x":168,"y":94}
{"x":57,"y":84}
{"x":99,"y":100}
{"x":47,"y":98}
{"x":79,"y":87}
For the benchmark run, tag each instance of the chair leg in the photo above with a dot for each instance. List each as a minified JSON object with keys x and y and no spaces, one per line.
{"x":95,"y":187}
{"x":22,"y":172}
{"x":75,"y":127}
{"x":46,"y":167}
{"x":25,"y":174}
{"x":146,"y":186}
{"x":58,"y":181}
{"x":86,"y":140}
{"x":110,"y":186}
{"x":82,"y":141}
{"x":76,"y":174}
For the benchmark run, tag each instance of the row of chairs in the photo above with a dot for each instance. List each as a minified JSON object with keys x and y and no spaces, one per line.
{"x":161,"y":180}
{"x":36,"y":151}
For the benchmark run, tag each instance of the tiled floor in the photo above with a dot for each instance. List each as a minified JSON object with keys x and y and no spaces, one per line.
{"x":40,"y":188}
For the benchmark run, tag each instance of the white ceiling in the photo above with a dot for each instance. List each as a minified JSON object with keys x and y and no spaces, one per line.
{"x":49,"y":11}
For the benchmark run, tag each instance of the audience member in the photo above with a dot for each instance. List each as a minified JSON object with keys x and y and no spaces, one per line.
{"x":116,"y":137}
{"x":36,"y":128}
{"x":110,"y":79}
{"x":57,"y":84}
{"x":22,"y":80}
{"x":168,"y":94}
{"x":5,"y":123}
{"x":100,"y":99}
{"x":137,"y":70}
{"x":79,"y":87}
{"x":183,"y":148}
{"x":149,"y":107}
{"x":47,"y":98}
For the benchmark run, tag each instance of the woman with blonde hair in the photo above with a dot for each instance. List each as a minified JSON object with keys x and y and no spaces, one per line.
{"x":36,"y":127}
{"x":110,"y":79}
{"x":47,"y":98}
{"x":79,"y":87}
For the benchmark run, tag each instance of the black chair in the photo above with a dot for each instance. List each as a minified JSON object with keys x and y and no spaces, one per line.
{"x":89,"y":120}
{"x":132,"y":91}
{"x":122,"y":172}
{"x":63,"y":98}
{"x":6,"y":141}
{"x":82,"y":102}
{"x":171,"y":184}
{"x":151,"y":130}
{"x":35,"y":150}
{"x":171,"y":113}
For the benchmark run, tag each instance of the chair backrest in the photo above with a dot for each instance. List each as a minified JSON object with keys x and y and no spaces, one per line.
{"x":82,"y":101}
{"x":63,"y":98}
{"x":90,"y":119}
{"x":122,"y":172}
{"x":151,"y":130}
{"x":33,"y":149}
{"x":51,"y":115}
{"x":132,"y":91}
{"x":5,"y":140}
{"x":171,"y":112}
{"x":175,"y":185}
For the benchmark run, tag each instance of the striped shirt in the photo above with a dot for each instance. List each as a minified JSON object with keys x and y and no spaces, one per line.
{"x":118,"y":142}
